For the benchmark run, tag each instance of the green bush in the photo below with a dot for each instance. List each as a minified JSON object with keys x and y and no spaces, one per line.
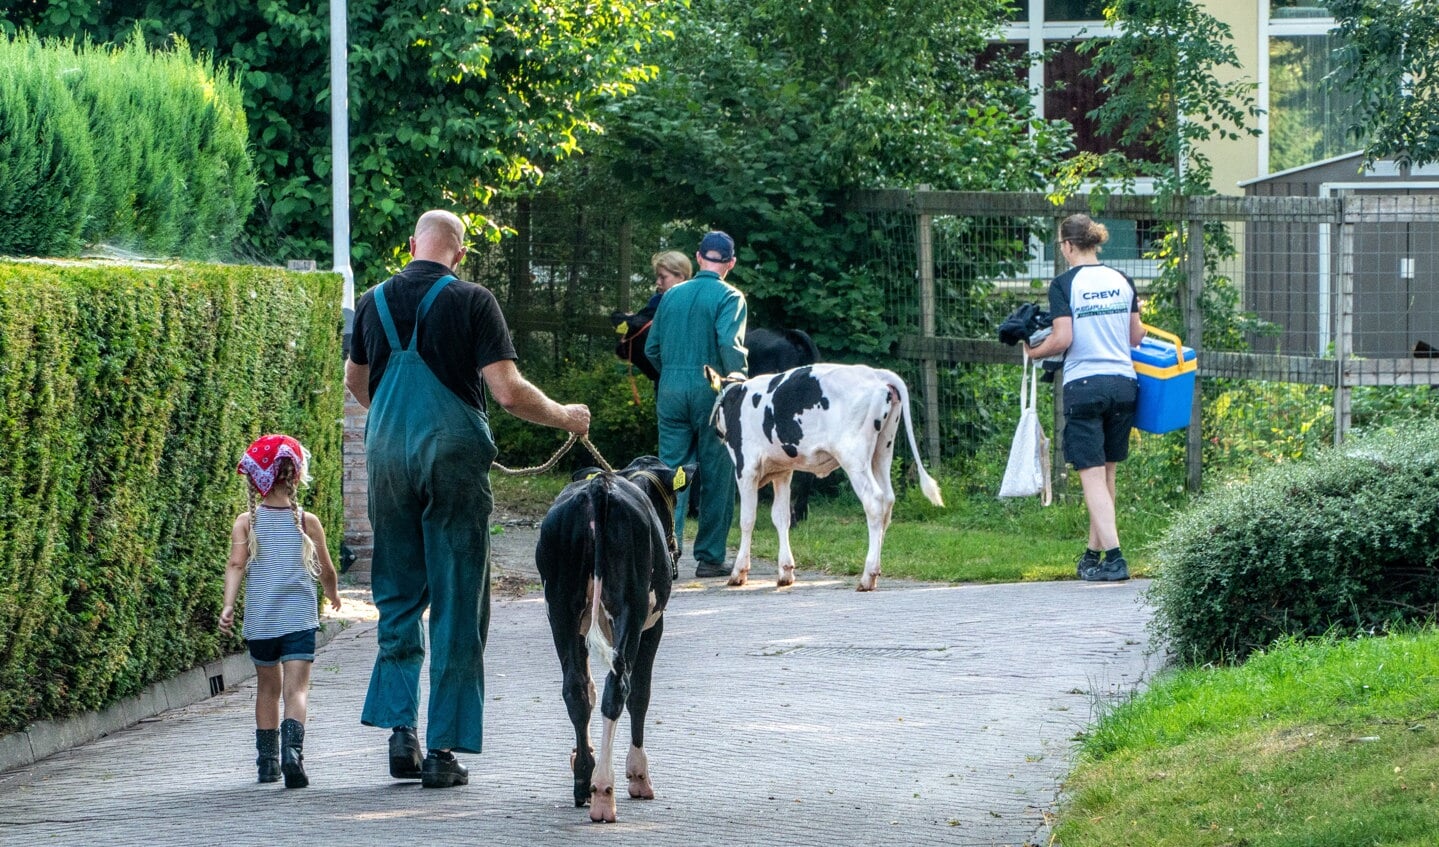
{"x":619,"y":429}
{"x":140,"y":149}
{"x":1346,"y":541}
{"x":47,"y":167}
{"x":126,"y":399}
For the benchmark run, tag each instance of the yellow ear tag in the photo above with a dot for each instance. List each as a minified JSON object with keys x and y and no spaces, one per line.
{"x":593,"y":475}
{"x":679,"y":481}
{"x":623,"y":328}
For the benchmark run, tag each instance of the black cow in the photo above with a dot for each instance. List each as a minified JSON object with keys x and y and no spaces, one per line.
{"x":775,"y":350}
{"x":634,"y":330}
{"x":607,"y":557}
{"x":770,"y":350}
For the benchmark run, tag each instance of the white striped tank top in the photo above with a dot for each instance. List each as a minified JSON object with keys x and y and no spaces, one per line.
{"x":279,"y":591}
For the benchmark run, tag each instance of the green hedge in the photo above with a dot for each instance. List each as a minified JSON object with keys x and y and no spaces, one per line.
{"x":1344,"y":542}
{"x":127,"y":396}
{"x":139,"y":149}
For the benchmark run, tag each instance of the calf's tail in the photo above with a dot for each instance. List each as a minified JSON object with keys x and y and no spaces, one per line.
{"x":926,"y":482}
{"x":596,"y":516}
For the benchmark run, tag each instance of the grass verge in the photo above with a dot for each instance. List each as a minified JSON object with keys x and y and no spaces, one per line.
{"x":1322,"y":743}
{"x":975,"y":538}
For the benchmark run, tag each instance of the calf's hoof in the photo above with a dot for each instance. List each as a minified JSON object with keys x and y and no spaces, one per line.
{"x":738,"y":579}
{"x":602,"y":805}
{"x":786,"y":577}
{"x":640,"y":786}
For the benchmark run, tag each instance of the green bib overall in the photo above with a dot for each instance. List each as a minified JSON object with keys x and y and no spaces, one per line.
{"x":429,"y":456}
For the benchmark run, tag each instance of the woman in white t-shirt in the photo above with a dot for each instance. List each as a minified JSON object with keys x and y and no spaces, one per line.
{"x":1096,"y":322}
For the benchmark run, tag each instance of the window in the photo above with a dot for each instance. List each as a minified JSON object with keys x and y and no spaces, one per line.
{"x":1074,"y":10}
{"x":1308,"y":114}
{"x":1071,"y":95}
{"x":1291,"y":9}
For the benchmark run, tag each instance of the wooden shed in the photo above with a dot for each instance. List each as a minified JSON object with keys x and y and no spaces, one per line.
{"x":1291,"y":268}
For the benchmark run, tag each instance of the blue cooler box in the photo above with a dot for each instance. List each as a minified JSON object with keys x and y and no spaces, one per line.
{"x":1166,"y":383}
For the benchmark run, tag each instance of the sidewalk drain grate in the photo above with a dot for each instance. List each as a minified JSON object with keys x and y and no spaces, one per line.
{"x":217,"y":684}
{"x":862,"y":652}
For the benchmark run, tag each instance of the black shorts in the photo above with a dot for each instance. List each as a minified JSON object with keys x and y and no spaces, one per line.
{"x":290,"y":647}
{"x":1098,"y":414}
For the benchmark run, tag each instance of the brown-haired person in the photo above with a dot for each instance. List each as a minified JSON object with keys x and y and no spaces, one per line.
{"x":1096,"y":323}
{"x":425,"y":347}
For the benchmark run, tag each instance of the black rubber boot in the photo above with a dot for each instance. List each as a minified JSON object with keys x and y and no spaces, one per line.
{"x":267,"y":743}
{"x":443,"y":770}
{"x":404,"y":753}
{"x":292,"y":753}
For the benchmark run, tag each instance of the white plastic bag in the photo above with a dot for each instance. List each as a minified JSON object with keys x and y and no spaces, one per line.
{"x":1027,"y":473}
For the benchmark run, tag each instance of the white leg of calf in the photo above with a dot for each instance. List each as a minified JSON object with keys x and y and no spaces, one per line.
{"x":637,"y":771}
{"x":748,"y":504}
{"x":602,"y":791}
{"x":779,"y":515}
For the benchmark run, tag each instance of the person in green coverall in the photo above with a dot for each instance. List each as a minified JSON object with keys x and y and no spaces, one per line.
{"x":425,"y":347}
{"x":700,"y":322}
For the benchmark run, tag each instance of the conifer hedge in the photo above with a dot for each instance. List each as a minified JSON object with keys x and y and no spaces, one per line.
{"x":127,"y":396}
{"x":140,"y":149}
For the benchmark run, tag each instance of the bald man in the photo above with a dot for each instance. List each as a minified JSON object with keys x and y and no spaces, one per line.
{"x":425,"y":346}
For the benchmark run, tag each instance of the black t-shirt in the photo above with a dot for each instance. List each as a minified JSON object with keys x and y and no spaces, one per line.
{"x":463,"y":331}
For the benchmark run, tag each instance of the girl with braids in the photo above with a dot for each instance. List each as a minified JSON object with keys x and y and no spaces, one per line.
{"x":278,"y":550}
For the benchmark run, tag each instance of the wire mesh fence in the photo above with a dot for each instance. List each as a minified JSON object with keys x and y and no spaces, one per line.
{"x":1311,"y":315}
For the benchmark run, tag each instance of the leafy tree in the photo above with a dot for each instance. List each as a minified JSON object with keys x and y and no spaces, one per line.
{"x":1163,"y":93}
{"x":1159,"y":77}
{"x":1389,"y":61}
{"x":449,"y":102}
{"x":766,"y":114}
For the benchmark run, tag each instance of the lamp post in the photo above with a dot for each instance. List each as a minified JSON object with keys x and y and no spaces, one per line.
{"x":340,"y":152}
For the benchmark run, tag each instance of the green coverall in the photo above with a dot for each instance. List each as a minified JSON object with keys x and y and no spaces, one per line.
{"x":428,"y":455}
{"x":699,"y":322}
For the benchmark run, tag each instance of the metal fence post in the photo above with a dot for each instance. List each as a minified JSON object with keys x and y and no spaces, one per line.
{"x":1344,"y":320}
{"x":1194,"y":328}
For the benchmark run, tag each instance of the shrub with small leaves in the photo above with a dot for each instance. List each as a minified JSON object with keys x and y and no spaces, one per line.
{"x":1344,"y":542}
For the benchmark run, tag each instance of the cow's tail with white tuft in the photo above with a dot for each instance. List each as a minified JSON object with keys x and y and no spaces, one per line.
{"x":597,"y":514}
{"x":926,"y":482}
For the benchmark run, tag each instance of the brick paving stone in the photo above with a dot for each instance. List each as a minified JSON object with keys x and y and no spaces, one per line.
{"x":915,"y":715}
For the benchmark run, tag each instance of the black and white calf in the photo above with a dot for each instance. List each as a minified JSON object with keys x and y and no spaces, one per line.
{"x":815,"y":418}
{"x":606,"y":557}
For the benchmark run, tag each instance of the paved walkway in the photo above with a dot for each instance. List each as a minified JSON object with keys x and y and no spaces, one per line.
{"x":914,"y":715}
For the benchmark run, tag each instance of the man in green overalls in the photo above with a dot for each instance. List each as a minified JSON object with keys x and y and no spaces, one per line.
{"x":699,"y":322}
{"x":424,"y":347}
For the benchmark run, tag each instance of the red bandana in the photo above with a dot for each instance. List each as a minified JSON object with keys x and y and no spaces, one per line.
{"x":260,"y":459}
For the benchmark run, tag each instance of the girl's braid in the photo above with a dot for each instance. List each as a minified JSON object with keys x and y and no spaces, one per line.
{"x":308,"y":552}
{"x":252,"y":541}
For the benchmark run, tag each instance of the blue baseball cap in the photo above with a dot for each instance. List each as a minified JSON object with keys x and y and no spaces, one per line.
{"x":716,"y":246}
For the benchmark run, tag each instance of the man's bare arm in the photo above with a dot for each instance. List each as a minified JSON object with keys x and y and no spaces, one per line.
{"x":357,"y":379}
{"x":521,"y":398}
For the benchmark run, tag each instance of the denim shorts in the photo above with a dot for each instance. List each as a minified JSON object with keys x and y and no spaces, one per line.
{"x":290,"y":647}
{"x":1098,"y":414}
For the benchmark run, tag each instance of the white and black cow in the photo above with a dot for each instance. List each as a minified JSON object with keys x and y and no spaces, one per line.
{"x":815,"y":418}
{"x":607,"y":557}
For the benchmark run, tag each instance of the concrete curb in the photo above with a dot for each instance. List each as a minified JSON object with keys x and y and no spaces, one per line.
{"x":46,"y":738}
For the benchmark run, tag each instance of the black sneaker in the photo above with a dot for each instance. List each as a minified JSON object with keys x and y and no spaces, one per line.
{"x":1088,"y":560}
{"x":709,"y":569}
{"x":404,"y":753}
{"x":443,"y":770}
{"x":1111,"y":570}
